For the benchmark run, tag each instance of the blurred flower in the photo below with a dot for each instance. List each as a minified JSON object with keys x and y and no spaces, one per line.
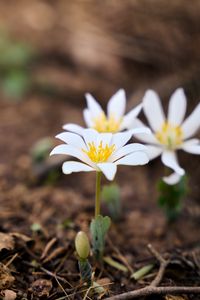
{"x":171,"y":134}
{"x":113,"y":122}
{"x":101,"y":152}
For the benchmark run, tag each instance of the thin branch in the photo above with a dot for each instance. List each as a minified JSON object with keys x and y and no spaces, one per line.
{"x":163,"y":264}
{"x":151,"y":290}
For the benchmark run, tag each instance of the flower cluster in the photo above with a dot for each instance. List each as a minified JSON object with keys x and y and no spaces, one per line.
{"x":103,"y":146}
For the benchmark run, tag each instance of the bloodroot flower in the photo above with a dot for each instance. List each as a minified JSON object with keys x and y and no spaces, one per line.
{"x":113,"y":122}
{"x":100,"y":152}
{"x":171,"y":134}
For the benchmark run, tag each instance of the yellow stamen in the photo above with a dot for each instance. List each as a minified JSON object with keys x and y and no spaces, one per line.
{"x":99,"y":153}
{"x":105,"y":124}
{"x":170,"y":136}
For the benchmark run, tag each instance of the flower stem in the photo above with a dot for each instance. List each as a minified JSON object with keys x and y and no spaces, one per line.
{"x":98,"y":192}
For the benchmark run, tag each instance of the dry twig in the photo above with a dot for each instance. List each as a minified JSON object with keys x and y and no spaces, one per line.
{"x":153,"y":288}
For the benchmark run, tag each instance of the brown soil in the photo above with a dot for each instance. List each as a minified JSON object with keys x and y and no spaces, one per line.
{"x":72,"y":198}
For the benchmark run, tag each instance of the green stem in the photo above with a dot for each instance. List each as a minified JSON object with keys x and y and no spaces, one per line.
{"x":98,"y":192}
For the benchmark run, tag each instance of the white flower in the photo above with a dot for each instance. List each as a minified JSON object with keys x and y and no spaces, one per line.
{"x":113,"y":122}
{"x":172,"y":133}
{"x":99,"y":151}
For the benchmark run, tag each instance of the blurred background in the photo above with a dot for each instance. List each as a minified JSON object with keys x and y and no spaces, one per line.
{"x":65,"y":48}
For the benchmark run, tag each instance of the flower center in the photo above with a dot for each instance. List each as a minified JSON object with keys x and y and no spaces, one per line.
{"x":99,"y":153}
{"x":170,"y":136}
{"x":105,"y":124}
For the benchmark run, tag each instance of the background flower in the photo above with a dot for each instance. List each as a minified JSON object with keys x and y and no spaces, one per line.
{"x":113,"y":122}
{"x":172,"y":133}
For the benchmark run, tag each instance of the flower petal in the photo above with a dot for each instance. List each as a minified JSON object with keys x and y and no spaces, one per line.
{"x":89,"y":135}
{"x":74,"y":166}
{"x":177,"y":107}
{"x":191,"y":146}
{"x":87,"y":117}
{"x":153,"y":110}
{"x":146,"y":136}
{"x":190,"y":142}
{"x":130,"y":148}
{"x":121,"y":138}
{"x":130,"y":117}
{"x":73,"y":128}
{"x":93,"y":106}
{"x":172,"y":179}
{"x":108,"y":169}
{"x":133,"y":159}
{"x":105,"y":138}
{"x":153,"y":151}
{"x":117,"y":104}
{"x":169,"y":159}
{"x":70,"y":150}
{"x":73,"y":139}
{"x":192,"y":123}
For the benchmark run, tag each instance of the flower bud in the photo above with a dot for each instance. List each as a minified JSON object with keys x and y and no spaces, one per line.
{"x":82,"y":245}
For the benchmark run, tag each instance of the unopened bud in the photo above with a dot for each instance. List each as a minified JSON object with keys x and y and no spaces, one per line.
{"x":82,"y":245}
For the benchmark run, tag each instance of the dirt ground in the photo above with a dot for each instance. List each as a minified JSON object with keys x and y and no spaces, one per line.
{"x":40,"y":216}
{"x":70,"y":201}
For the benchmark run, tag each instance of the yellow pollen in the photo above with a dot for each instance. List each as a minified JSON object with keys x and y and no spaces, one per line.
{"x":105,"y":124}
{"x":99,"y":153}
{"x":170,"y":136}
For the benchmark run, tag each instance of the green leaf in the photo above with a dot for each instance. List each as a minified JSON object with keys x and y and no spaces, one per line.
{"x":171,"y":196}
{"x":142,"y":272}
{"x":85,"y":271}
{"x":41,"y":149}
{"x":16,"y":83}
{"x":36,"y":227}
{"x":115,"y":264}
{"x":99,"y":227}
{"x":111,"y":196}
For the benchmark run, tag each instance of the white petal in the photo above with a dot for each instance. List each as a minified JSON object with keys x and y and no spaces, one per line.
{"x":130,"y":148}
{"x":147,"y":136}
{"x":117,"y":104}
{"x":140,"y":130}
{"x":153,"y":110}
{"x":169,"y":159}
{"x":172,"y":179}
{"x":108,"y":169}
{"x":192,"y":123}
{"x":70,"y":150}
{"x":105,"y":138}
{"x":121,"y":138}
{"x":190,"y":142}
{"x":134,"y":159}
{"x":61,"y":149}
{"x":90,"y":135}
{"x":192,"y":146}
{"x":73,"y":128}
{"x":72,"y":139}
{"x":93,"y":106}
{"x":177,"y":107}
{"x":87,"y":117}
{"x":130,"y":117}
{"x":74,"y":166}
{"x":153,"y":151}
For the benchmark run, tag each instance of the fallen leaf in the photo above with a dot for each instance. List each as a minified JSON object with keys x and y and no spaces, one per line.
{"x":6,"y":279}
{"x":6,"y":241}
{"x":8,"y":295}
{"x":41,"y":288}
{"x":170,"y":297}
